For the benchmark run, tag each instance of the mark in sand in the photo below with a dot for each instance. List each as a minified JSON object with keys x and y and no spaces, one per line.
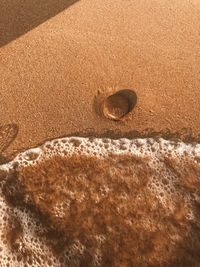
{"x":7,"y":134}
{"x":118,"y":105}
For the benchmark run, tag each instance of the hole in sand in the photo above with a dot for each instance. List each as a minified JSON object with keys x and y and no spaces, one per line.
{"x":119,"y":104}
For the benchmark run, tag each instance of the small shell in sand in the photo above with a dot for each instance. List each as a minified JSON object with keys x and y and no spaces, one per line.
{"x":118,"y":105}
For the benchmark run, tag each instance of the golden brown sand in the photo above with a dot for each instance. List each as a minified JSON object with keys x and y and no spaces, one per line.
{"x":58,"y":63}
{"x":51,"y":76}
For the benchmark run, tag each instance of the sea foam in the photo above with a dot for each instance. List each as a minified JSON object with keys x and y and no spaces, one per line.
{"x":101,"y":202}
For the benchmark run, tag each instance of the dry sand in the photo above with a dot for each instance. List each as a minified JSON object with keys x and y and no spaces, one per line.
{"x":51,"y":74}
{"x":58,"y":61}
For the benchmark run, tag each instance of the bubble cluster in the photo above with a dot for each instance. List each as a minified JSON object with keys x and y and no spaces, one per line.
{"x":101,"y":188}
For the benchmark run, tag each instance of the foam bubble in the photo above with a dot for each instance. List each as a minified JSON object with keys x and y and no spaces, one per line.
{"x":74,"y":201}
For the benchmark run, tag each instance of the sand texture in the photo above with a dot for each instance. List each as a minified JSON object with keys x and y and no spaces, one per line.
{"x":90,"y":202}
{"x":105,"y":201}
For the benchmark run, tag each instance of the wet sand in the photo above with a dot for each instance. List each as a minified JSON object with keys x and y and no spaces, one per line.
{"x":102,"y":202}
{"x":57,"y":66}
{"x":51,"y":76}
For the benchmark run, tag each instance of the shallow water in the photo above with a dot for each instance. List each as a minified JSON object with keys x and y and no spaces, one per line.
{"x":102,"y":202}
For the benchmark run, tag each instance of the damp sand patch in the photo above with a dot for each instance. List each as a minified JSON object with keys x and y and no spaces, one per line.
{"x":102,"y":202}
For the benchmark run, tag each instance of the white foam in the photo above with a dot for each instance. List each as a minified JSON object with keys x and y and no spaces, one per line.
{"x":103,"y":147}
{"x":155,"y":150}
{"x":162,"y":183}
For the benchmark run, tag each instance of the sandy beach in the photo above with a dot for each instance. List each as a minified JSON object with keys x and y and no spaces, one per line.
{"x":52,"y":74}
{"x":118,"y":69}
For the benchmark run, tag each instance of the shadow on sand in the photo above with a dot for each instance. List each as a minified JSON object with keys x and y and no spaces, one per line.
{"x":185,"y":134}
{"x":17,"y":17}
{"x":7,"y":135}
